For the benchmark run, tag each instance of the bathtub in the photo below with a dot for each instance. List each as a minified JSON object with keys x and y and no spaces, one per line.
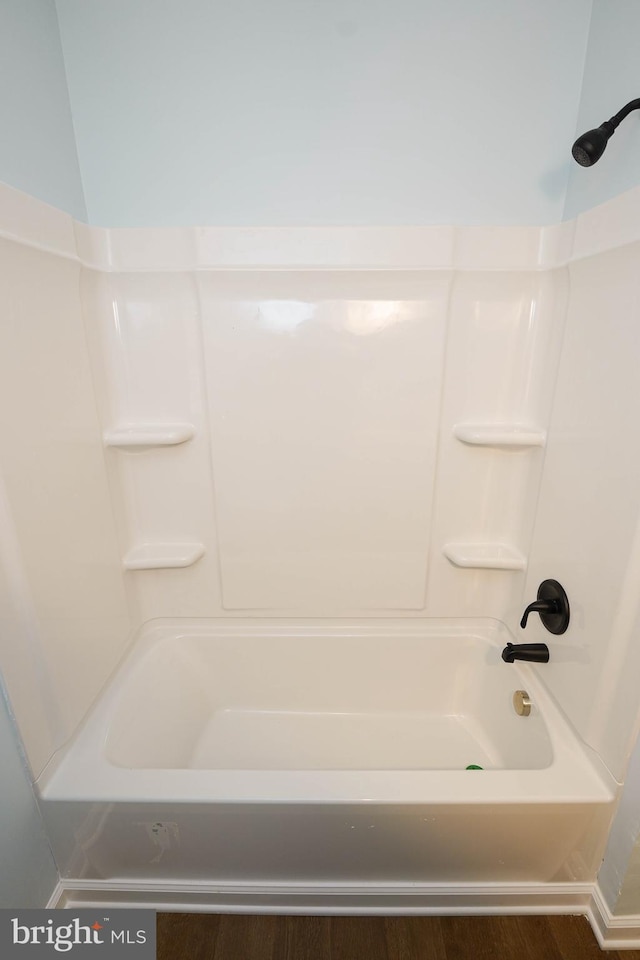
{"x":270,"y":752}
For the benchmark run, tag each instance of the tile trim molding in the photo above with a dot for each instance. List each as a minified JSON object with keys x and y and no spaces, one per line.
{"x":27,"y":220}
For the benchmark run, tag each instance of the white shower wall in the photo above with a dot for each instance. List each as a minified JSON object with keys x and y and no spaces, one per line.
{"x":323,"y":477}
{"x":587,"y":529}
{"x":64,"y":619}
{"x":315,"y":401}
{"x":306,"y":464}
{"x":267,"y":440}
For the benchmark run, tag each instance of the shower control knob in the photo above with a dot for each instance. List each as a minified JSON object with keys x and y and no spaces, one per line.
{"x":552,"y":605}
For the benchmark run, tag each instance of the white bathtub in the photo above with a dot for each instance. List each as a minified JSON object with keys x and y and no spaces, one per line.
{"x":257,"y":750}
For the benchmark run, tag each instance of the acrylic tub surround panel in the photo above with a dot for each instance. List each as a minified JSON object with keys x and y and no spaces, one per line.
{"x":144,"y":339}
{"x":64,"y":621}
{"x":322,"y":442}
{"x":504,"y":340}
{"x":158,"y":430}
{"x":591,"y":537}
{"x":337,"y":719}
{"x":324,"y":404}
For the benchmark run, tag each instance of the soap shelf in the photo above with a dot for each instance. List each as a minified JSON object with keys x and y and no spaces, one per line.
{"x":512,"y":435}
{"x":149,"y":435}
{"x":163,"y":556}
{"x":485,"y":556}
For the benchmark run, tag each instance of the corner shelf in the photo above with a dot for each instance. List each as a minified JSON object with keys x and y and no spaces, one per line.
{"x":163,"y":556}
{"x":149,"y":435}
{"x":514,"y":435}
{"x":485,"y":556}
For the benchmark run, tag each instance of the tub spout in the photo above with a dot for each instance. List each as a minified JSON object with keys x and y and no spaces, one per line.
{"x":534,"y":652}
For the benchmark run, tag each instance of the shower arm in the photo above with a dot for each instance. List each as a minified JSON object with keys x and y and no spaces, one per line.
{"x":626,"y":110}
{"x":618,"y":117}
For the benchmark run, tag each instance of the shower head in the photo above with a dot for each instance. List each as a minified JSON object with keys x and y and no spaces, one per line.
{"x":588,"y":148}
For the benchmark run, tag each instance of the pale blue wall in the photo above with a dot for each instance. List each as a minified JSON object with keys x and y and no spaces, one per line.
{"x":28,"y":874}
{"x":611,"y":79}
{"x":37,"y":152}
{"x":297,"y":111}
{"x":324,"y":111}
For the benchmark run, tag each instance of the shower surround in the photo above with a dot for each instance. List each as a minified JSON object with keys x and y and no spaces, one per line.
{"x":320,"y":425}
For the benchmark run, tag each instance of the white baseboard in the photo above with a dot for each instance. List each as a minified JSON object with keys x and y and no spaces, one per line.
{"x":57,"y":896}
{"x":333,"y":899}
{"x":612,"y":932}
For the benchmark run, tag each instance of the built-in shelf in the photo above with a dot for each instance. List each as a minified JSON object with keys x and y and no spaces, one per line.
{"x":149,"y":435}
{"x":500,"y":434}
{"x":485,"y":556}
{"x":162,"y":556}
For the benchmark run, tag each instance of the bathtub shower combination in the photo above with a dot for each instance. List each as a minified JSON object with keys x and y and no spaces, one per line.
{"x":299,"y":493}
{"x":307,"y":753}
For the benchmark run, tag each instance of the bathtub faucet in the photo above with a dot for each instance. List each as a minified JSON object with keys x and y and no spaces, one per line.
{"x":543,"y":607}
{"x":535,"y":652}
{"x":552,"y":604}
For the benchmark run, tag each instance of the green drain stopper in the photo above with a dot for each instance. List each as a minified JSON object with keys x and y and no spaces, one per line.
{"x":474,"y":766}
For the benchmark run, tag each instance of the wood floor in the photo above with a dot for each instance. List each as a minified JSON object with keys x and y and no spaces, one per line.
{"x":198,"y":936}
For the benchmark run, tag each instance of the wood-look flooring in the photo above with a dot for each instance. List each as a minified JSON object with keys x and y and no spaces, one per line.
{"x":199,"y":936}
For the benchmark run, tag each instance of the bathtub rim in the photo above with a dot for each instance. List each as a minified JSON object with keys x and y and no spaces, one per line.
{"x":81,"y":772}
